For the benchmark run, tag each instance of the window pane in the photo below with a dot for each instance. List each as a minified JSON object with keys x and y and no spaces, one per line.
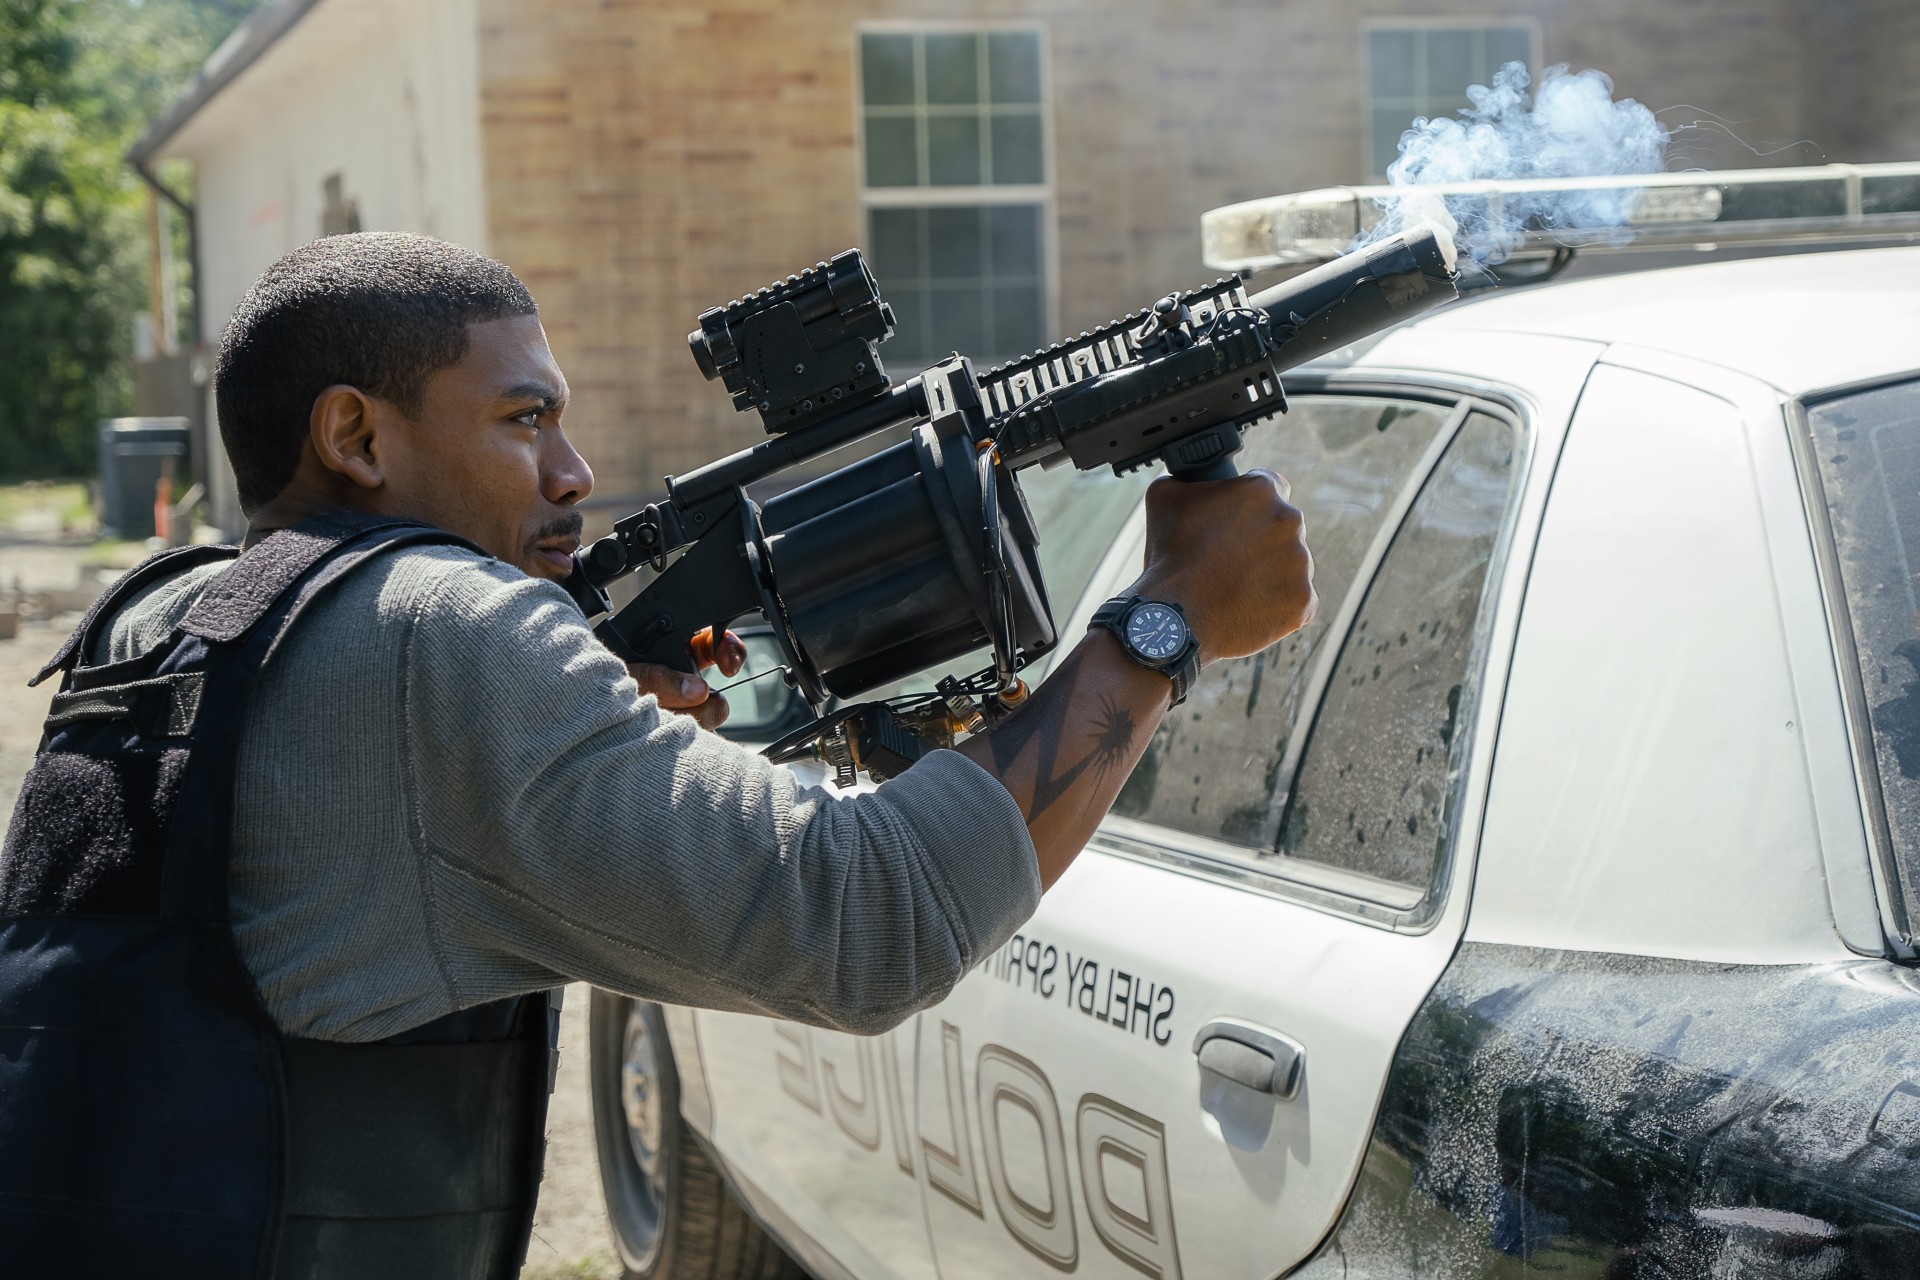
{"x":894,"y":247}
{"x":1212,"y":766}
{"x":953,"y":68}
{"x":893,"y":157}
{"x":1016,"y":149}
{"x":910,"y":342}
{"x":1508,"y":44}
{"x":1015,"y":239}
{"x":1390,"y":57}
{"x":953,"y":151}
{"x":955,"y":243}
{"x":987,"y":257}
{"x":957,"y":109}
{"x":1868,"y":447}
{"x":959,"y":320}
{"x":1374,"y":781}
{"x":886,"y":70}
{"x":1016,"y":322}
{"x":1013,"y":62}
{"x":1450,"y":66}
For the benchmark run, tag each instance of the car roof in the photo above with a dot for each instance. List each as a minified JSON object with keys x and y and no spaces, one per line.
{"x":1799,"y":322}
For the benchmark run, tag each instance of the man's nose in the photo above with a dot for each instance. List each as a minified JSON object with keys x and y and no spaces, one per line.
{"x":565,"y":477}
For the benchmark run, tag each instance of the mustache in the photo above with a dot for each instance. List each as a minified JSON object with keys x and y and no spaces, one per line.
{"x":566,"y":526}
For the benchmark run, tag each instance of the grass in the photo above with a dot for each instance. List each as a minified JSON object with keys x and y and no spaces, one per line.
{"x":67,"y":499}
{"x":114,"y":553}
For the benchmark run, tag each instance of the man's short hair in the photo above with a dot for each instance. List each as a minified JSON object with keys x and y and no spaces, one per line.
{"x":377,"y":310}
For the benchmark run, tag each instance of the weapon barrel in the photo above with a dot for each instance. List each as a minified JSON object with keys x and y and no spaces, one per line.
{"x":1359,"y":294}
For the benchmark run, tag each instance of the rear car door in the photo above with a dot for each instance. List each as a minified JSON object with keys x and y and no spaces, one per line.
{"x":1173,"y":1069}
{"x":1669,"y":1044}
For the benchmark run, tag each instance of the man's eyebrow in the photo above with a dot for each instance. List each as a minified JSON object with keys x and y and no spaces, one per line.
{"x":545,"y":393}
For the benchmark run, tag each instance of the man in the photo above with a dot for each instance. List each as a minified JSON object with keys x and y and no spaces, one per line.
{"x":331,"y":816}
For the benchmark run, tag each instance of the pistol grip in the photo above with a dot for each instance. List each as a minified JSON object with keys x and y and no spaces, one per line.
{"x":680,"y":660}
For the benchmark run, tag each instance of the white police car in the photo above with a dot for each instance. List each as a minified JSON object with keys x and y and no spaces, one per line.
{"x":1548,"y":903}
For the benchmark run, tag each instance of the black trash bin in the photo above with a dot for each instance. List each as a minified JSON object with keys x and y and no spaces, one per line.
{"x":133,"y":454}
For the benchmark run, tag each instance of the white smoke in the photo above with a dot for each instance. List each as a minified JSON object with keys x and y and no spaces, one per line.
{"x":1570,"y":127}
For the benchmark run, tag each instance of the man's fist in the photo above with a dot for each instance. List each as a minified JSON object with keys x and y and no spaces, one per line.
{"x":1233,"y":555}
{"x":679,"y":691}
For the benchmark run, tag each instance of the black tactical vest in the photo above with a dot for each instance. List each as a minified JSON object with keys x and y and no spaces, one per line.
{"x":153,"y":1121}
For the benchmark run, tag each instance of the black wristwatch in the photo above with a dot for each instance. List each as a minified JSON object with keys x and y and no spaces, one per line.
{"x":1155,"y":635}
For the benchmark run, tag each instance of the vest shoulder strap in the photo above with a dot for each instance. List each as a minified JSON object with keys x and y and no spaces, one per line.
{"x":231,"y":633}
{"x":155,"y":567}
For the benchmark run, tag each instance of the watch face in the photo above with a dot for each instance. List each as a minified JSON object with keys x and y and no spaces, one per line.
{"x":1156,"y":632}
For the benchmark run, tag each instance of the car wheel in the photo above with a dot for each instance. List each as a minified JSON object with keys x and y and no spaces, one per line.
{"x":672,"y":1215}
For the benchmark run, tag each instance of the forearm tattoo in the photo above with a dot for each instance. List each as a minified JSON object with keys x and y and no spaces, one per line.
{"x":1043,"y":730}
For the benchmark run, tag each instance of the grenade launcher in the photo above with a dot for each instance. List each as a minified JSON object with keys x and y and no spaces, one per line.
{"x":925,"y":550}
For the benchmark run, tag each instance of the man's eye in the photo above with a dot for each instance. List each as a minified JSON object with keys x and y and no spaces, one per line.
{"x":530,"y":418}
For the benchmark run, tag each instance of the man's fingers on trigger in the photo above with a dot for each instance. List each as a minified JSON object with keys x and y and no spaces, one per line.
{"x":732,"y":655}
{"x":701,"y":647}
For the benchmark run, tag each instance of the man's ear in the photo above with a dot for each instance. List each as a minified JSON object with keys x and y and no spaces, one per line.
{"x":342,"y":430}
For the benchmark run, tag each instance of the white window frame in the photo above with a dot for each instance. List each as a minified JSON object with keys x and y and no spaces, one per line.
{"x":1041,"y":194}
{"x":1463,"y":22}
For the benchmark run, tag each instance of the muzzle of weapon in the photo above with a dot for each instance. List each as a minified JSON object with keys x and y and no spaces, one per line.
{"x":1355,"y":296}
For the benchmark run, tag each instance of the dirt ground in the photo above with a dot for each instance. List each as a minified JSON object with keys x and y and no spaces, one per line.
{"x":570,"y":1239}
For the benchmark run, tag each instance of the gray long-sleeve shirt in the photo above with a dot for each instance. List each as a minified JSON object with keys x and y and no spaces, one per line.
{"x":450,"y":792}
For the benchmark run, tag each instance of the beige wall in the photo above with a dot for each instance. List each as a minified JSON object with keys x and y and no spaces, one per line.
{"x":384,"y":94}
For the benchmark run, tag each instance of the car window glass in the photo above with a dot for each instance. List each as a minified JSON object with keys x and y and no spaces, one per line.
{"x":1078,"y":515}
{"x":757,"y":699}
{"x":1212,"y":768}
{"x":1378,"y":768}
{"x":1868,"y":451}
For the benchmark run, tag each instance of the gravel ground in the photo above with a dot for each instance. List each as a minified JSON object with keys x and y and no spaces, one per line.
{"x":570,"y":1238}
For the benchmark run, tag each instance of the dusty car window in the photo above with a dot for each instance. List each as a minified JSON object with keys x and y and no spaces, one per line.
{"x":1373,"y":783}
{"x":1868,"y":448}
{"x":1211,"y":769}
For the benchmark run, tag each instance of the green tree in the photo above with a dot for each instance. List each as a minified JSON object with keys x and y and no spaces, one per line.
{"x":78,"y":81}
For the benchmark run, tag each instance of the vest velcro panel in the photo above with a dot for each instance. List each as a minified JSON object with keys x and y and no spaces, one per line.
{"x":89,"y":832}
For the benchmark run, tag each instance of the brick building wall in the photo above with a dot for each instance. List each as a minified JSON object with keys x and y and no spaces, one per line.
{"x":1864,"y":100}
{"x":646,"y":159}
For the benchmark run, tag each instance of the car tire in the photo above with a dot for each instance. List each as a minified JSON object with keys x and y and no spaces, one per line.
{"x":672,"y":1216}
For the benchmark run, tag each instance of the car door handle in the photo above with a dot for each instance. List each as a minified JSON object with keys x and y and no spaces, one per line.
{"x":1262,"y":1060}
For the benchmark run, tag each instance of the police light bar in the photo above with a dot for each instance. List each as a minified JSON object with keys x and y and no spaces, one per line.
{"x":1834,"y":202}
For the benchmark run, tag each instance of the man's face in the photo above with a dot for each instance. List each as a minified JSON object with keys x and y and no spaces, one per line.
{"x":485,"y":456}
